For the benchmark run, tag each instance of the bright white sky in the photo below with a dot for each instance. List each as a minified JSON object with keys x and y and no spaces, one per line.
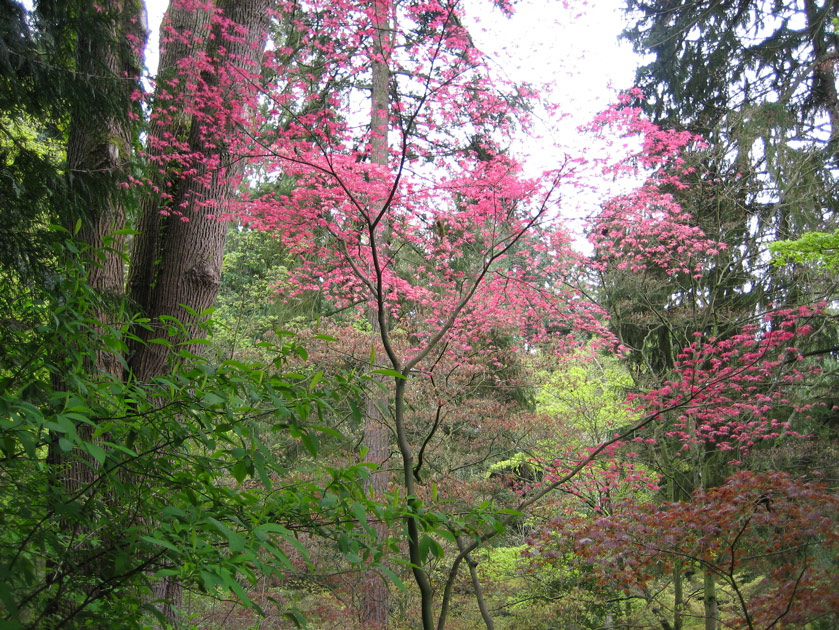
{"x":579,"y":50}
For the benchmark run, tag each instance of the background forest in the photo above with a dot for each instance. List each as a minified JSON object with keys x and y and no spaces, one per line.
{"x":291,"y":335}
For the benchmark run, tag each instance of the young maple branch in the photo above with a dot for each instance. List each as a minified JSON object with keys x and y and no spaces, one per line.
{"x":790,"y":600}
{"x":731,"y":578}
{"x":418,"y":467}
{"x":479,"y":591}
{"x":490,"y":257}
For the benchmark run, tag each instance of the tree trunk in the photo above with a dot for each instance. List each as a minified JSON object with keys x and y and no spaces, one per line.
{"x":98,"y":155}
{"x":710,"y":600}
{"x":150,"y":242}
{"x":176,"y":258}
{"x":824,"y":91}
{"x":476,"y":585}
{"x":678,"y":596}
{"x":374,"y":594}
{"x":109,"y":61}
{"x":99,"y":143}
{"x":177,"y":255}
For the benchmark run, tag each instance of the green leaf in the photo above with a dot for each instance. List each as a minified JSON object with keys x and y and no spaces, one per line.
{"x":356,"y":411}
{"x":212,"y":399}
{"x":27,"y":440}
{"x":360,"y":513}
{"x":209,"y":580}
{"x":287,"y":534}
{"x":160,"y":543}
{"x":295,"y":617}
{"x":329,"y":500}
{"x":10,"y":605}
{"x":424,"y":545}
{"x":237,"y":590}
{"x":310,"y":441}
{"x":97,"y":452}
{"x":315,"y":380}
{"x":328,"y":431}
{"x":436,"y":548}
{"x":390,"y":575}
{"x":235,"y":541}
{"x":239,"y":470}
{"x":197,"y":341}
{"x":390,"y":372}
{"x":279,"y":556}
{"x":172,"y":512}
{"x":121,"y":448}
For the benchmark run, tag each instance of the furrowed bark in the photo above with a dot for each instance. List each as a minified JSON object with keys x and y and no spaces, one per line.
{"x":108,"y":61}
{"x":177,"y":255}
{"x":176,"y":259}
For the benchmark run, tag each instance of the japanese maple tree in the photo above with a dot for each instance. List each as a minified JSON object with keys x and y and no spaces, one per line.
{"x":445,"y":240}
{"x":768,"y":526}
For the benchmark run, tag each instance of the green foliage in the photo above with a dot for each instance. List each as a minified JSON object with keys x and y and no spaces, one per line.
{"x":813,"y":247}
{"x":41,"y":86}
{"x":501,"y":563}
{"x":105,"y":484}
{"x":246,"y":309}
{"x":514,"y":463}
{"x":588,"y":395}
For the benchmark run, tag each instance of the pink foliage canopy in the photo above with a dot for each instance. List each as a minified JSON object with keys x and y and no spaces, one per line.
{"x":731,"y":392}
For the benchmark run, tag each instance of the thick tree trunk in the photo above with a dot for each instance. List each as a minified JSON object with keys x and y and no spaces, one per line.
{"x":374,"y":602}
{"x":109,"y":61}
{"x":177,"y":255}
{"x":150,"y":242}
{"x":824,"y":92}
{"x":100,"y":139}
{"x":176,"y":259}
{"x":98,"y":155}
{"x":374,"y":594}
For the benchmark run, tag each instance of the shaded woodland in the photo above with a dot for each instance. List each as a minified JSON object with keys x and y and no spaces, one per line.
{"x":292,"y":336}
